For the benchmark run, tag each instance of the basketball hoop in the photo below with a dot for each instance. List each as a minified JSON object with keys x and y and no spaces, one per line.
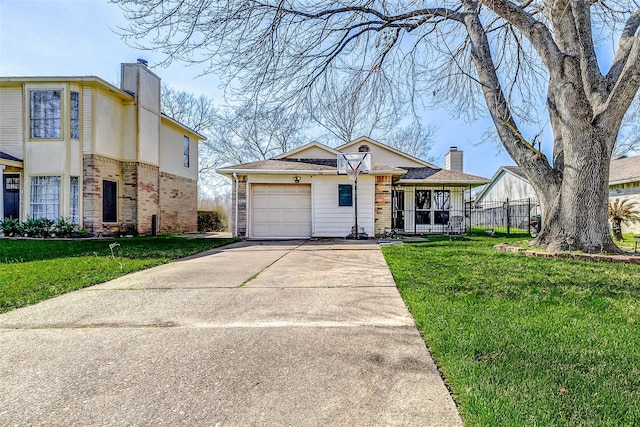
{"x":350,"y":162}
{"x":353,"y":164}
{"x":352,"y":173}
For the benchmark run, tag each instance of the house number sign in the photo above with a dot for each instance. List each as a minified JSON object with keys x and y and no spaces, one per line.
{"x":12,"y":184}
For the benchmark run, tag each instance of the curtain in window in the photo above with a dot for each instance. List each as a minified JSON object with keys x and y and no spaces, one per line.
{"x":45,"y":197}
{"x":44,"y":114}
{"x":75,"y":115}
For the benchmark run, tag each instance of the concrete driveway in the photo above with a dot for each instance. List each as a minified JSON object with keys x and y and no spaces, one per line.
{"x":257,"y":333}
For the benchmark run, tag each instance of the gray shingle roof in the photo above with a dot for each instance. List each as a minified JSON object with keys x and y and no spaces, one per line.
{"x":626,"y":169}
{"x":516,"y":170}
{"x":299,"y":165}
{"x":6,"y":156}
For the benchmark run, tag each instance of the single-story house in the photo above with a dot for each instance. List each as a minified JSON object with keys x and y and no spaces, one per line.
{"x":300,"y":194}
{"x":507,"y":183}
{"x":510,"y":183}
{"x":104,"y":157}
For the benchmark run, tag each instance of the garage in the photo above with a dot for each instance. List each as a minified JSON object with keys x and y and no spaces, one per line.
{"x":280,"y":210}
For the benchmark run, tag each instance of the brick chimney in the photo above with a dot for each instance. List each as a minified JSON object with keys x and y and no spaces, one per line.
{"x":453,"y":160}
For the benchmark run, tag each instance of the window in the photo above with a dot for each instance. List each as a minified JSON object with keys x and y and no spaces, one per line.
{"x":44,"y":113}
{"x":45,"y":197}
{"x":345,"y":195}
{"x":74,"y":200}
{"x":185,"y":152}
{"x":109,"y":201}
{"x":423,"y":207}
{"x":442,"y":200}
{"x":74,"y":118}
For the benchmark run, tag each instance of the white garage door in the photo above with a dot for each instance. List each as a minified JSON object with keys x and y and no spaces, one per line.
{"x":280,"y":210}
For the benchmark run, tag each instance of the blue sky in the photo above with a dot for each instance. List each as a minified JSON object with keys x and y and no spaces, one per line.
{"x":77,"y":38}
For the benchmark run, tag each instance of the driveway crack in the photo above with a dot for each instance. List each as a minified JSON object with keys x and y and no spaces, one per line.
{"x":243,"y":284}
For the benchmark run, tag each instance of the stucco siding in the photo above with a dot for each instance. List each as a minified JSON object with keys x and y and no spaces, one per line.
{"x":172,"y":155}
{"x":46,"y":157}
{"x":109,"y":122}
{"x":149,"y":134}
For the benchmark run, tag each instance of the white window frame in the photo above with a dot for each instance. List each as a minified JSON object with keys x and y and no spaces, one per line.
{"x":47,"y":188}
{"x":74,"y":199}
{"x":36,"y":132}
{"x":185,"y":151}
{"x":74,"y":115}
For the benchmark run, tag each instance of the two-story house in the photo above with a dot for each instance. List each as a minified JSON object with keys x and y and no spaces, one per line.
{"x":104,"y":157}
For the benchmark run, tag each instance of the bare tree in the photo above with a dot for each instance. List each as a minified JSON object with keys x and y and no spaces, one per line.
{"x":199,"y":114}
{"x":348,"y":112}
{"x":253,"y":132}
{"x":413,"y":139}
{"x":510,"y":58}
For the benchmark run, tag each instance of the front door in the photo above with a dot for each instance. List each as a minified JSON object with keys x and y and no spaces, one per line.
{"x":11,"y":195}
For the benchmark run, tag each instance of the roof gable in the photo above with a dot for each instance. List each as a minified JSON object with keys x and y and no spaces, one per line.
{"x":509,"y":175}
{"x":312,"y":150}
{"x":382,"y":153}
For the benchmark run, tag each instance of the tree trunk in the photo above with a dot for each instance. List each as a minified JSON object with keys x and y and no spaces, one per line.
{"x":575,"y":216}
{"x":616,"y":226}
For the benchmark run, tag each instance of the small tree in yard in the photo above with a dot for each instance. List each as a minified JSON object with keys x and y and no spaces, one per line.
{"x":620,"y":212}
{"x":509,"y":58}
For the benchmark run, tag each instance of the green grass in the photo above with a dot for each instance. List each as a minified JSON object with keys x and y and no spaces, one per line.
{"x":34,"y":270}
{"x":525,"y":341}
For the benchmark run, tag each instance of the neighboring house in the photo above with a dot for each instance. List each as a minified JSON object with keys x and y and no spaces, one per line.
{"x":300,"y":195}
{"x":104,"y":157}
{"x":624,"y":183}
{"x":507,"y":183}
{"x":510,"y":183}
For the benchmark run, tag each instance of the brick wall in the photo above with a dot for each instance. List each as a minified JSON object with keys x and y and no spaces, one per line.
{"x":242,"y":206}
{"x":95,"y":170}
{"x":138,"y":195}
{"x":178,"y":204}
{"x":382,"y":215}
{"x":147,"y":197}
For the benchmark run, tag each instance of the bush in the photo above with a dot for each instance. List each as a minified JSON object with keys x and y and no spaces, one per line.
{"x":214,"y":220}
{"x":38,"y":227}
{"x":63,"y":228}
{"x":11,"y":227}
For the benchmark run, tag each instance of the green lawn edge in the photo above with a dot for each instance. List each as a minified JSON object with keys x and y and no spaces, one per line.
{"x":33,"y":270}
{"x":526,"y":341}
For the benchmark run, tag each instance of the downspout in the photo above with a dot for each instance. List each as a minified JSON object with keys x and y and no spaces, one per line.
{"x":235,"y":176}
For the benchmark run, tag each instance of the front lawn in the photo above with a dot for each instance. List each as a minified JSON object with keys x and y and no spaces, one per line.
{"x":34,"y":270}
{"x":523,"y":340}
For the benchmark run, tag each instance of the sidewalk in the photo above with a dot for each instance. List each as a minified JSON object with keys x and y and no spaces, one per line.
{"x":257,"y":333}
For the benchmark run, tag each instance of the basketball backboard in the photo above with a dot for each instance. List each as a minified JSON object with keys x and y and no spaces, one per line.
{"x":354,"y":163}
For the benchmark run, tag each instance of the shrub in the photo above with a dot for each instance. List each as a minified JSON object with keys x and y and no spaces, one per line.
{"x":38,"y":227}
{"x":63,"y":227}
{"x":11,"y":227}
{"x":214,"y":220}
